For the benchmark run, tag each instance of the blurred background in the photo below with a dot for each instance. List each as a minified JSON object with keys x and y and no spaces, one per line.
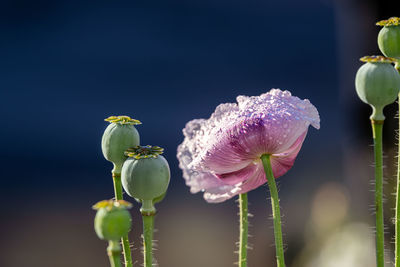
{"x":67,"y":65}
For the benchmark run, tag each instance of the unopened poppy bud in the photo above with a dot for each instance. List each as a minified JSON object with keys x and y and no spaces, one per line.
{"x":112,"y":220}
{"x":118,"y":137}
{"x":377,"y":84}
{"x":389,"y":37}
{"x":145,"y":176}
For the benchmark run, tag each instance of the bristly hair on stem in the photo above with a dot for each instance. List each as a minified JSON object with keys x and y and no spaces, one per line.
{"x":148,"y":231}
{"x":126,"y":245}
{"x":266,"y":161}
{"x":377,"y":127}
{"x":243,"y":229}
{"x":397,"y":207}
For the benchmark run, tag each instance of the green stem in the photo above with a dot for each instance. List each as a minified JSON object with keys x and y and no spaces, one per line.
{"x":397,"y":210}
{"x":243,"y":207}
{"x":125,"y":240}
{"x":114,"y":253}
{"x":380,"y":243}
{"x":276,"y":214}
{"x":148,"y":227}
{"x":117,"y":186}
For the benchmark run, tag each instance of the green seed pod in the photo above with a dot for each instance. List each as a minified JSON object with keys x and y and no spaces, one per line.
{"x":155,"y":200}
{"x":389,"y":37}
{"x":118,"y":137}
{"x":112,"y":220}
{"x":145,"y":176}
{"x":377,"y":84}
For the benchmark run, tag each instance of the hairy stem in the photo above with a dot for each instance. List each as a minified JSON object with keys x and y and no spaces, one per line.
{"x":117,"y":186}
{"x":380,"y":243}
{"x":397,"y":210}
{"x":114,"y":253}
{"x":243,"y":207}
{"x":125,"y":240}
{"x":148,"y":228}
{"x":276,"y":214}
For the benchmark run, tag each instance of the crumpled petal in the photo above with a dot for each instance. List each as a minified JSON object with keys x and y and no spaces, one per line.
{"x":253,"y":175}
{"x":220,"y":194}
{"x":283,"y":162}
{"x":220,"y":156}
{"x":233,"y":178}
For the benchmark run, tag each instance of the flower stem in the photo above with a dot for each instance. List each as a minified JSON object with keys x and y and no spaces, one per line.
{"x":380,"y":245}
{"x":276,"y":214}
{"x":125,"y":240}
{"x":243,"y":230}
{"x":117,"y":186}
{"x":114,"y":253}
{"x":148,"y":228}
{"x":397,"y":210}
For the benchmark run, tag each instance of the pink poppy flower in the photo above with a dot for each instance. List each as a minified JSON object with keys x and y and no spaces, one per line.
{"x":221,"y":156}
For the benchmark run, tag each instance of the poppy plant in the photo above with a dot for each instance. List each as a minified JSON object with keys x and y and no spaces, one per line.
{"x":230,"y":153}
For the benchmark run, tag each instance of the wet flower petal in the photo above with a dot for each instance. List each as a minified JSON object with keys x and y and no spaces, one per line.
{"x":281,"y":163}
{"x":222,"y":193}
{"x":221,"y":155}
{"x":233,"y":178}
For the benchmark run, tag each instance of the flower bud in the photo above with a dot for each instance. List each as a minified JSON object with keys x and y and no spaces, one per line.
{"x":112,"y":220}
{"x":118,"y":137}
{"x":389,"y":37}
{"x":377,"y":84}
{"x":145,"y":176}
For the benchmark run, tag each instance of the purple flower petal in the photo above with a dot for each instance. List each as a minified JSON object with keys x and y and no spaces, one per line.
{"x":220,"y":194}
{"x":221,"y":155}
{"x":253,"y":175}
{"x":233,"y":178}
{"x":281,"y":163}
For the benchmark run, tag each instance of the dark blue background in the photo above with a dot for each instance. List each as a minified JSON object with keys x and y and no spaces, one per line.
{"x":67,"y":65}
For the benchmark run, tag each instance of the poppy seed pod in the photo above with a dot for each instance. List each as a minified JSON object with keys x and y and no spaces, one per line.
{"x":155,"y":200}
{"x":377,"y":84}
{"x":145,"y":175}
{"x":389,"y":37}
{"x":112,"y":220}
{"x":118,"y":137}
